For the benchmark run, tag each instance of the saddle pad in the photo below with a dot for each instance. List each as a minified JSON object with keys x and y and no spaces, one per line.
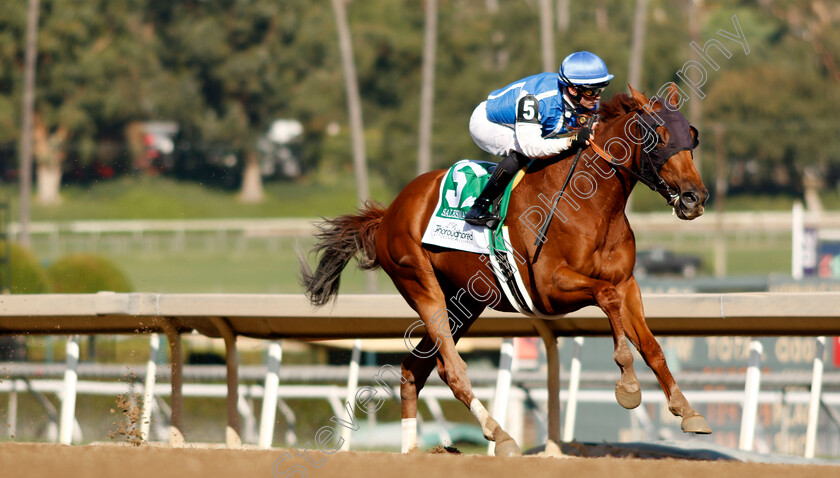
{"x":459,"y":189}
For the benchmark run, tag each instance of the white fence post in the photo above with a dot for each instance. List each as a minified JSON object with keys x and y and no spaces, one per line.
{"x":269,"y":405}
{"x":750,"y":406}
{"x":149,"y":386}
{"x":13,"y":406}
{"x":440,"y":420}
{"x":68,"y":396}
{"x":176,"y":356}
{"x":503,"y":381}
{"x":797,"y":240}
{"x":352,"y":385}
{"x":574,"y":387}
{"x":814,"y":403}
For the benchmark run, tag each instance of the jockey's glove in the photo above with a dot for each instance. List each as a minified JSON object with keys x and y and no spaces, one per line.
{"x":579,"y":140}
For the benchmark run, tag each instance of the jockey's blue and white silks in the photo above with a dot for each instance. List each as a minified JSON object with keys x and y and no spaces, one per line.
{"x":557,"y":116}
{"x":536,"y":116}
{"x":498,"y":127}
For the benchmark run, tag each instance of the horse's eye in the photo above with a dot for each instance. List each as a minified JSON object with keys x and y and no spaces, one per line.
{"x":662,"y":137}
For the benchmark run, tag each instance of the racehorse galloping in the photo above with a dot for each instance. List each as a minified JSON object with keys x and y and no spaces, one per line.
{"x":585,"y":260}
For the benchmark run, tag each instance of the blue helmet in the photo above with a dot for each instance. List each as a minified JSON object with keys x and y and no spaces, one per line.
{"x":584,"y":69}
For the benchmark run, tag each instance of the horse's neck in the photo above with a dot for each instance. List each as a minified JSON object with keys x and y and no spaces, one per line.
{"x":593,"y":188}
{"x":612,"y":186}
{"x":620,"y":182}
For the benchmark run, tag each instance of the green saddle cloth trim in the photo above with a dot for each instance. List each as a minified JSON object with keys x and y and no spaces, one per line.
{"x":497,"y":241}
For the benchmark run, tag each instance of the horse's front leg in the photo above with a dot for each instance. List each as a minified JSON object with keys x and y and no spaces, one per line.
{"x":628,"y":392}
{"x":638,"y":332}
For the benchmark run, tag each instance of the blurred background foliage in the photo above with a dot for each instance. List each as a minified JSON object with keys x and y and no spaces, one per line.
{"x":75,"y":273}
{"x":225,"y":70}
{"x":25,"y":275}
{"x":83,"y":273}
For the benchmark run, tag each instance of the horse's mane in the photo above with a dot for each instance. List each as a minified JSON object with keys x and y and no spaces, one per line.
{"x":619,"y":105}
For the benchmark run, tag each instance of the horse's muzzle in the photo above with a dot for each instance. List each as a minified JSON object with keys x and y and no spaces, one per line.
{"x":690,"y":203}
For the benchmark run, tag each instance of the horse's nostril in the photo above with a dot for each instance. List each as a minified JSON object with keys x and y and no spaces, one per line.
{"x":690,"y":198}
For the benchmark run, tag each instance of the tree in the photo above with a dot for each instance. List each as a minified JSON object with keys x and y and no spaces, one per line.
{"x":227,"y":52}
{"x":427,"y":94}
{"x":28,"y":117}
{"x":91,"y":64}
{"x":777,"y":107}
{"x":224,"y":70}
{"x":813,"y":21}
{"x":354,"y":102}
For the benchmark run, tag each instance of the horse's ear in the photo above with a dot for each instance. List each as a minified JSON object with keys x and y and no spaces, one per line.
{"x":640,"y":98}
{"x":643,"y":102}
{"x":674,"y":95}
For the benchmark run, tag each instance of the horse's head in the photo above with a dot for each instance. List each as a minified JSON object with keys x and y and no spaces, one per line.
{"x":666,"y":159}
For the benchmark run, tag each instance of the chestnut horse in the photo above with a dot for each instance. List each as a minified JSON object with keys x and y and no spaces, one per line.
{"x":585,"y":258}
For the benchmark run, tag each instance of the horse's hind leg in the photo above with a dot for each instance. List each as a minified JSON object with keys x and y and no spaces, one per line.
{"x":639,"y":333}
{"x":416,"y":368}
{"x":415,"y":371}
{"x":440,"y":343}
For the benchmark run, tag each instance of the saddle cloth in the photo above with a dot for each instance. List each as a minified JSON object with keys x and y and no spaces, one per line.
{"x":459,"y":189}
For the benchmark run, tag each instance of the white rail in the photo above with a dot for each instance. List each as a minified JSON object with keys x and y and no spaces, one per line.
{"x":768,"y":221}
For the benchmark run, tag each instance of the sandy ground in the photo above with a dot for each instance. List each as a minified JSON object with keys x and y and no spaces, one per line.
{"x":48,"y":461}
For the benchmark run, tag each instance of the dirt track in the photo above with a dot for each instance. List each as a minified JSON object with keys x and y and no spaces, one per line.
{"x":49,"y":461}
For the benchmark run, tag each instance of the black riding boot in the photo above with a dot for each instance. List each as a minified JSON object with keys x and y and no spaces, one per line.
{"x":479,"y":214}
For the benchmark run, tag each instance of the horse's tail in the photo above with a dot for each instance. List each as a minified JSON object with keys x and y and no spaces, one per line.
{"x":339,"y":240}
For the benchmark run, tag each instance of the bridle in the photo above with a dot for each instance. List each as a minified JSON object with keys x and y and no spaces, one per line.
{"x":655,"y":183}
{"x":653,"y":160}
{"x":649,"y":160}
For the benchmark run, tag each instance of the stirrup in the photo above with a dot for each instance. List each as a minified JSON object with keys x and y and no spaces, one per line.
{"x":480,"y":215}
{"x":490,"y":221}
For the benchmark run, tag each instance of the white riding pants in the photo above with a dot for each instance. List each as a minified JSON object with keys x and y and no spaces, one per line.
{"x":497,"y":139}
{"x":524,"y":138}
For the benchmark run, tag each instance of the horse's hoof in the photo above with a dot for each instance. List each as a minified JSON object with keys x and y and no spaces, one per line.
{"x":628,"y":397}
{"x":695,"y":424}
{"x":507,"y":448}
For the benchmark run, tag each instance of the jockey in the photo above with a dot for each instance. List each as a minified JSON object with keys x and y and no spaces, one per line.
{"x":536,"y":117}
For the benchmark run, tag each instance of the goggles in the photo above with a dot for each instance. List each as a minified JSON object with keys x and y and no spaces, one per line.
{"x":590,"y":91}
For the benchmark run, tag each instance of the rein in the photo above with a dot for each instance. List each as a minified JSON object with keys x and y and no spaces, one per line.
{"x":544,"y":227}
{"x":659,"y":185}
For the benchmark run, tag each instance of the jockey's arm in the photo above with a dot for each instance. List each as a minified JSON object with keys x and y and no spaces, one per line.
{"x":528,"y":131}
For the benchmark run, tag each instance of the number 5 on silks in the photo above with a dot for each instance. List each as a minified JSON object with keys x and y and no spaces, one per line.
{"x":528,"y":110}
